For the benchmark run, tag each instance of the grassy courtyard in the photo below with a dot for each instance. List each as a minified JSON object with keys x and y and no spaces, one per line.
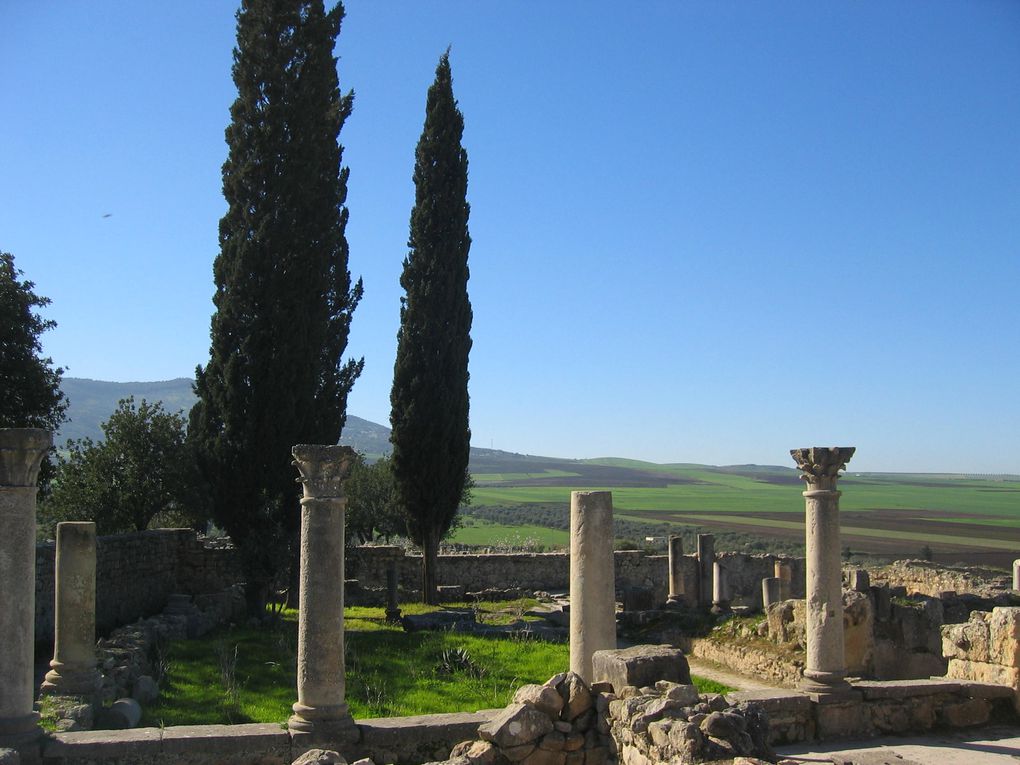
{"x":241,"y":674}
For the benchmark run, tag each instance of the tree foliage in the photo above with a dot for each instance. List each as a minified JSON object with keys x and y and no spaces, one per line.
{"x":141,"y":471}
{"x":429,"y":399}
{"x":31,"y":384}
{"x":283,"y":296}
{"x":373,"y":510}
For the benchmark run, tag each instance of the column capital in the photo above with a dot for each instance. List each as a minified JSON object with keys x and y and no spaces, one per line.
{"x":323,"y":469}
{"x":820,"y":465}
{"x":21,"y":453}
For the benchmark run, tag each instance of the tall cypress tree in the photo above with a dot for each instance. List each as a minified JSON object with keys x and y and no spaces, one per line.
{"x":283,"y":296}
{"x":429,"y":417}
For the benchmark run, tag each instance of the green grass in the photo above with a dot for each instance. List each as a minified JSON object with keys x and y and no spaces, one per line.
{"x":717,"y":492}
{"x":388,"y":672}
{"x":476,"y":531}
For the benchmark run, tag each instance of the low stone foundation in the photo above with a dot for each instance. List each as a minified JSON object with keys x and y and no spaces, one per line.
{"x":874,"y":708}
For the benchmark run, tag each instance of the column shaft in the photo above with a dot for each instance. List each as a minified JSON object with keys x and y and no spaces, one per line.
{"x":676,"y":581}
{"x":706,"y":558}
{"x":825,"y":660}
{"x":73,"y":668}
{"x":592,"y":579}
{"x":1016,"y":575}
{"x":826,"y":665}
{"x":21,"y":452}
{"x":771,"y":591}
{"x":320,"y":707}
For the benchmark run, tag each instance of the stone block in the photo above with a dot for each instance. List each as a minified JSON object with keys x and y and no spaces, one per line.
{"x":982,"y":672}
{"x":841,"y":720}
{"x":516,"y":726}
{"x":139,"y":745}
{"x":1004,"y":637}
{"x":969,"y":640}
{"x":9,"y":757}
{"x":905,"y":689}
{"x":965,"y":714}
{"x":641,"y":665}
{"x":544,"y":698}
{"x":320,"y":757}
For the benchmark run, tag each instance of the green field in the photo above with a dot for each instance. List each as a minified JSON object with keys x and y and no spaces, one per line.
{"x":879,"y":511}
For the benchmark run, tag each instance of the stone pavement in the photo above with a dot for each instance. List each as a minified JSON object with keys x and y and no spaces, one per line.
{"x":986,"y":746}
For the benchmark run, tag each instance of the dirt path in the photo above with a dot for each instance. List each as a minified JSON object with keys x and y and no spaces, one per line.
{"x":712,"y":671}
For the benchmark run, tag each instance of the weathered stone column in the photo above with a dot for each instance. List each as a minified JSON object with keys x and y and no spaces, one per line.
{"x":826,"y":665}
{"x":392,"y":593}
{"x":706,"y":559}
{"x":771,"y":591}
{"x":720,"y":596}
{"x":1016,"y":575}
{"x":676,"y":580}
{"x":784,"y":572}
{"x":320,"y":709}
{"x":592,"y":579}
{"x":21,"y":452}
{"x":73,"y":668}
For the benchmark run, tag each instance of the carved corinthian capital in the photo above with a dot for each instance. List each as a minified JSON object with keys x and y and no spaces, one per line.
{"x":21,"y":453}
{"x":323,"y":469}
{"x":820,"y":465}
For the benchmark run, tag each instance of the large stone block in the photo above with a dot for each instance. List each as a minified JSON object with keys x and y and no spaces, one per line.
{"x":1004,"y":637}
{"x":517,"y":725}
{"x":968,"y":640}
{"x":641,"y":665}
{"x":982,"y":672}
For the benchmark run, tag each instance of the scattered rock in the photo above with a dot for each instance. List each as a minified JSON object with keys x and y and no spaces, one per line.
{"x":321,"y":757}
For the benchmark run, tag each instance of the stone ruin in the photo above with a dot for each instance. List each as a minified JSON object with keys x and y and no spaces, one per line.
{"x":634,"y":706}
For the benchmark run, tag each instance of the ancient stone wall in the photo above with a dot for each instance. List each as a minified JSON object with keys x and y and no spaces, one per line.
{"x":986,"y":648}
{"x":136,"y":572}
{"x":551,"y":572}
{"x":926,"y":578}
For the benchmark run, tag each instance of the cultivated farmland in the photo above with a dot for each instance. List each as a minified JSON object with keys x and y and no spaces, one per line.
{"x":973,"y":519}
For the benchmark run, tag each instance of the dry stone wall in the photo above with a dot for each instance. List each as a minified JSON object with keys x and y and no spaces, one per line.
{"x":135,"y":573}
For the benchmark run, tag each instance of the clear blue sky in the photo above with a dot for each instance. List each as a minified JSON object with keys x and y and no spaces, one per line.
{"x":703,"y":231}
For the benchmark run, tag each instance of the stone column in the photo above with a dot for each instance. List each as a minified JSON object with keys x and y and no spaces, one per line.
{"x":392,"y":599}
{"x":720,"y":596}
{"x":73,"y":668}
{"x":676,"y":581}
{"x":320,"y":709}
{"x":21,"y":453}
{"x":592,"y":580}
{"x":784,"y":572}
{"x":826,"y":665}
{"x":1016,"y":574}
{"x":771,"y":591}
{"x":706,"y":558}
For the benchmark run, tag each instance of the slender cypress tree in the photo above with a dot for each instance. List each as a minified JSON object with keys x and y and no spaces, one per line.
{"x":429,"y":417}
{"x":283,"y":296}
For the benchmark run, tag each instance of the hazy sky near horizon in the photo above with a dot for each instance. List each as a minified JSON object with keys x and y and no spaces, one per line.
{"x":702,"y":231}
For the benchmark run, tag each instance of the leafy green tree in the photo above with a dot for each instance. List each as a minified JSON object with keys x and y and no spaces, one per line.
{"x":429,"y":417}
{"x":283,"y":296}
{"x":30,"y":383}
{"x":373,"y":511}
{"x":142,"y":471}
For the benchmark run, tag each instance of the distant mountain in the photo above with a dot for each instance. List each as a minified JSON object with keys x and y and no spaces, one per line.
{"x":91,"y":402}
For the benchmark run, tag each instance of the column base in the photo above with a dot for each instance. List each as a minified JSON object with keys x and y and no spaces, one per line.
{"x":332,"y":724}
{"x":721,"y":607}
{"x":68,"y":680}
{"x":827,"y":687}
{"x":393,"y":615}
{"x":21,"y":733}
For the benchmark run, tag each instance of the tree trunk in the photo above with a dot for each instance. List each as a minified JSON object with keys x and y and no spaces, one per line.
{"x":429,"y":571}
{"x":256,"y":595}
